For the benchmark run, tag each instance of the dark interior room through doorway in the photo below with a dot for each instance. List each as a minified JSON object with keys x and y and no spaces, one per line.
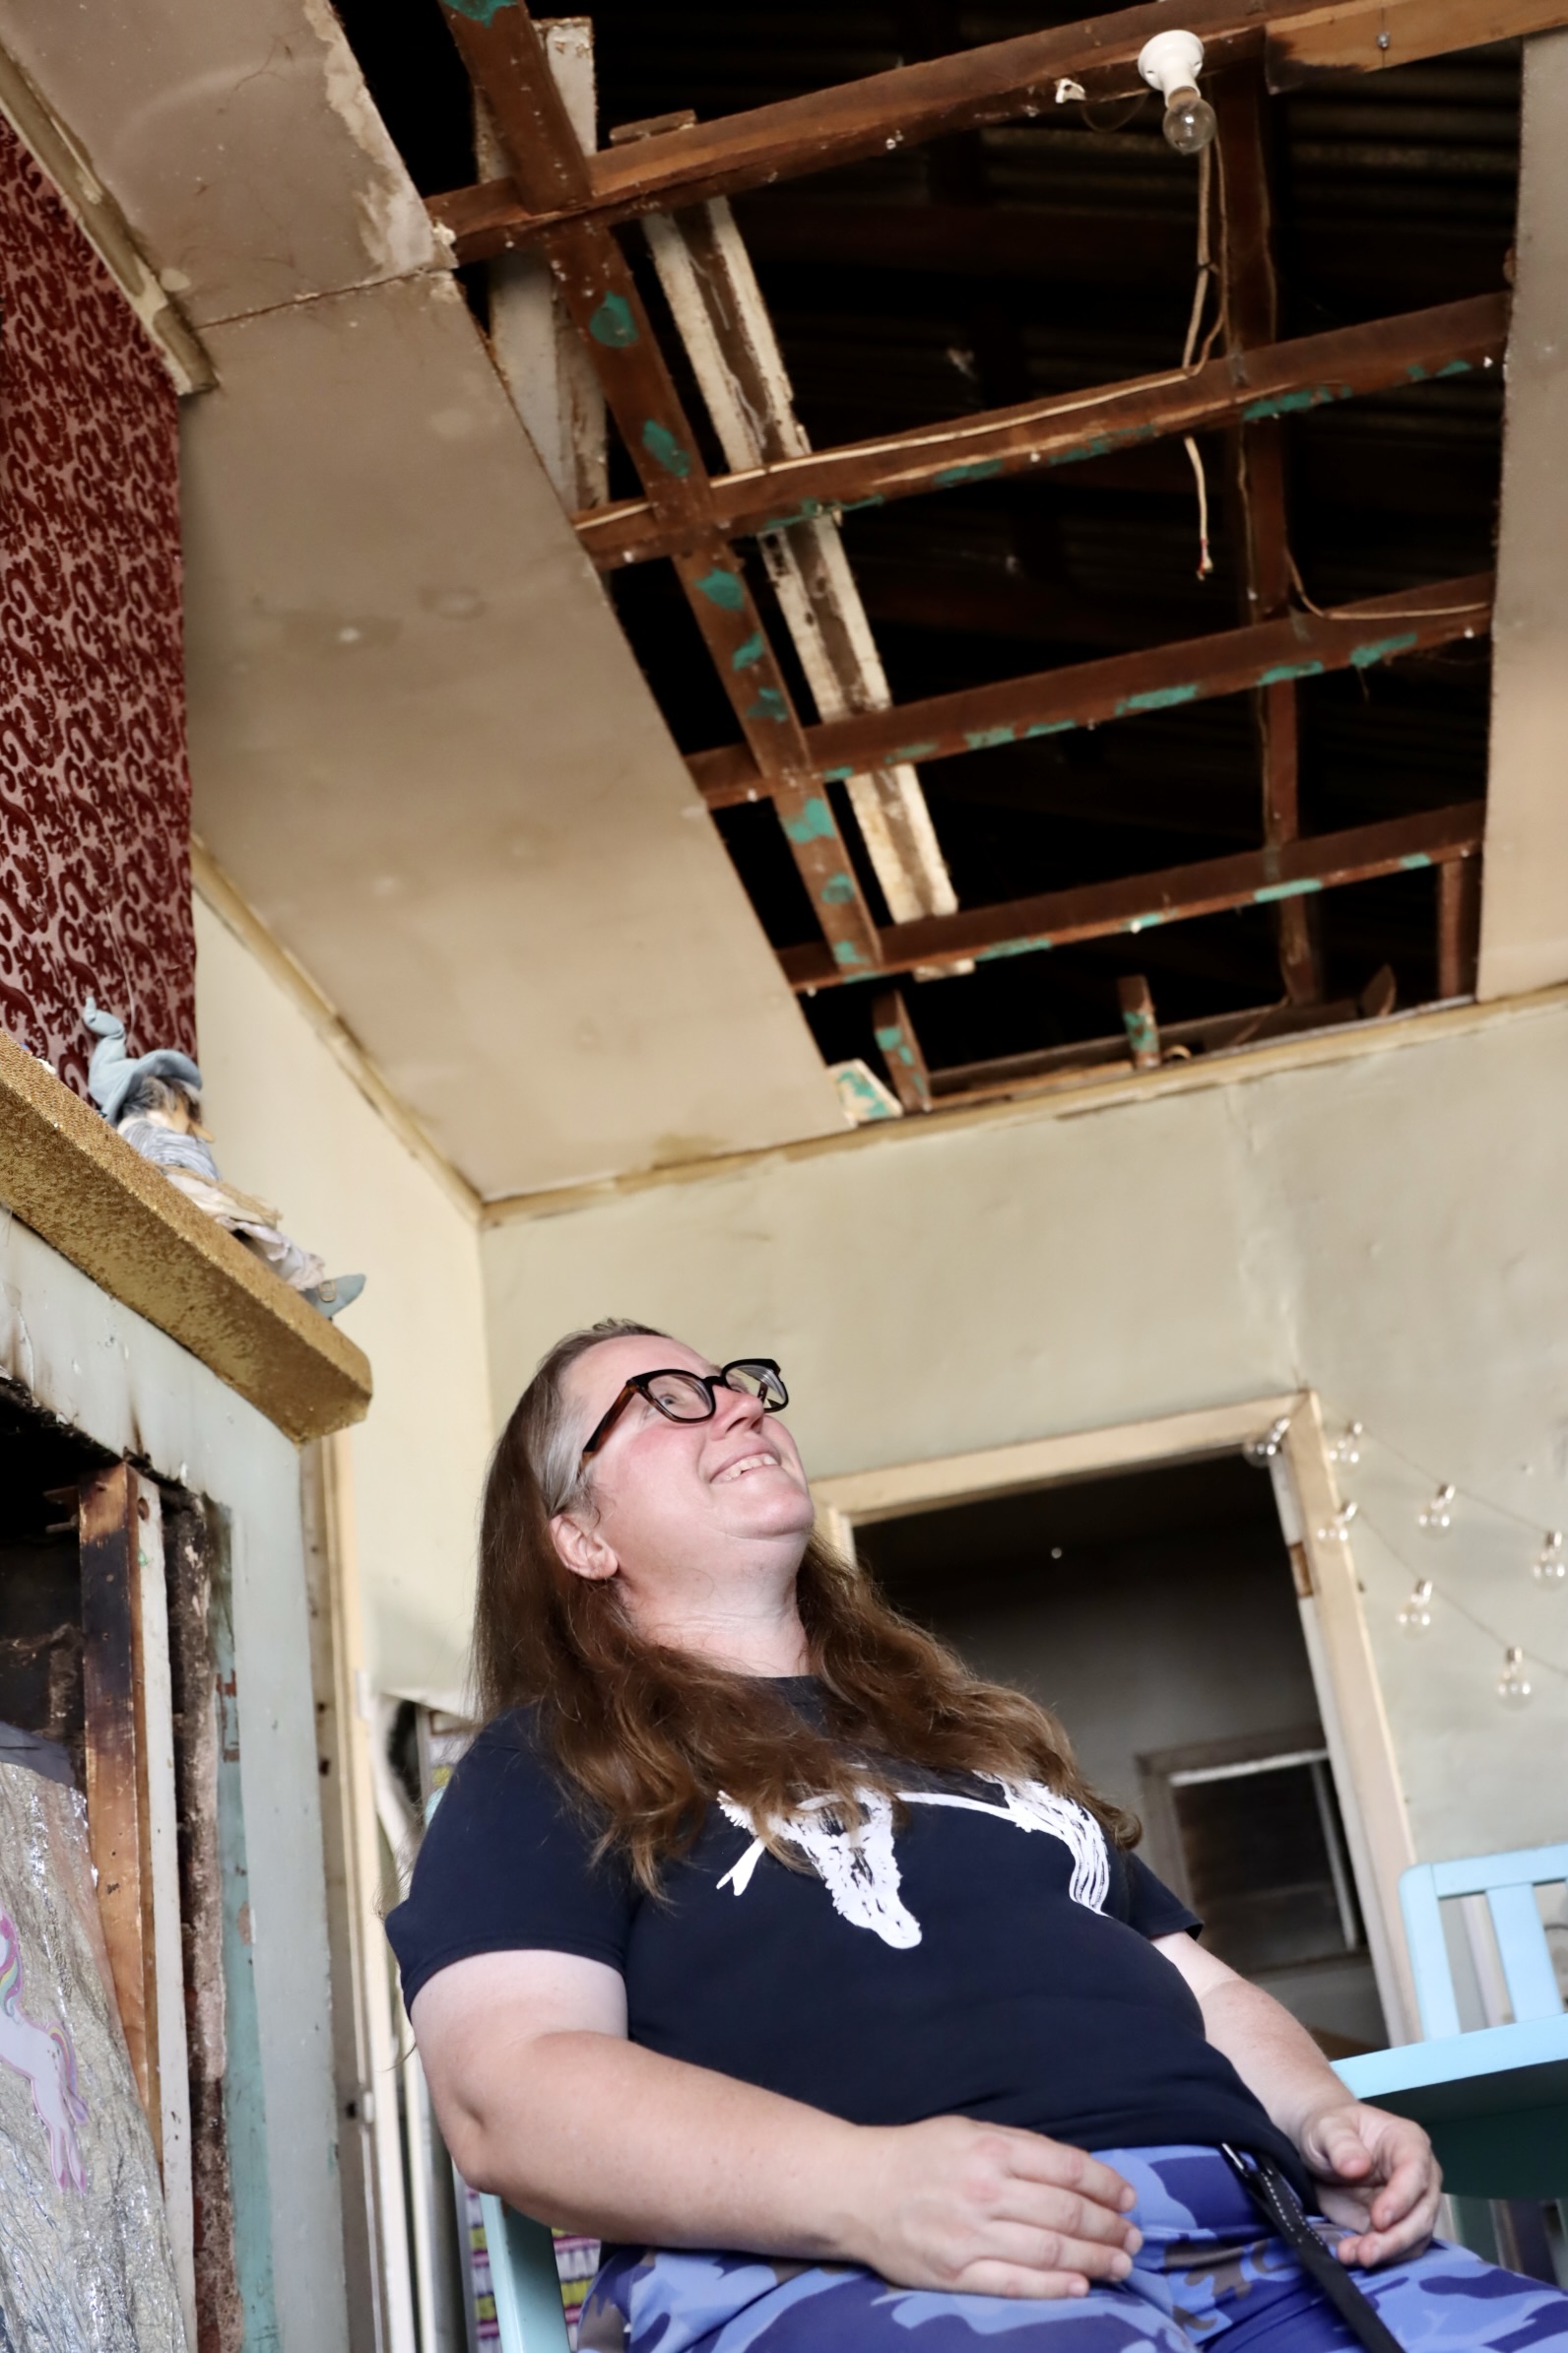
{"x":1154,"y":1613}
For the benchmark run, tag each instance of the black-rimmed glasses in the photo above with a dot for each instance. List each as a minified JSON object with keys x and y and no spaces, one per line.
{"x":681,"y":1396}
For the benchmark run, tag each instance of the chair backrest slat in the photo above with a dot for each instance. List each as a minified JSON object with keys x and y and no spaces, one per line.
{"x":529,"y":2315}
{"x":1520,"y":1867}
{"x":1423,"y":1934}
{"x":1509,"y":1882}
{"x":1524,"y":1953}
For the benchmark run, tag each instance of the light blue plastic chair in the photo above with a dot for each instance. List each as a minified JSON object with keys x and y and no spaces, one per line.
{"x":529,"y":2313}
{"x":1495,"y":2100}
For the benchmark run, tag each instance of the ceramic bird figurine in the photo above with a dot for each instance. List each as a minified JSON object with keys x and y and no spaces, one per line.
{"x":154,"y":1101}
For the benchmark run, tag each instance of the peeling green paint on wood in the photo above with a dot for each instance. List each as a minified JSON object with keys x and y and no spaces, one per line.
{"x":1013,"y":948}
{"x":1295,"y":402}
{"x":925,"y":751}
{"x":665,"y":450}
{"x":745,"y":655}
{"x":837,"y":891}
{"x":770,"y":705}
{"x":970,"y":470}
{"x":1382,"y":649}
{"x":612,"y":323}
{"x":814,"y":822}
{"x":1050,"y":727}
{"x":1155,"y":698}
{"x":847,"y":954}
{"x":1415,"y":860}
{"x":723,"y":589}
{"x":986,"y":739}
{"x":1282,"y":673}
{"x":837,"y":775}
{"x":1270,"y":891}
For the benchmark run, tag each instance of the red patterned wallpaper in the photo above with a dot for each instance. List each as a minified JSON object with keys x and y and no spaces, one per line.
{"x":94,"y":795}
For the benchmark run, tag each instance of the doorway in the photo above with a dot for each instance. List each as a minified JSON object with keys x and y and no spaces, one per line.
{"x":1155,"y":1610}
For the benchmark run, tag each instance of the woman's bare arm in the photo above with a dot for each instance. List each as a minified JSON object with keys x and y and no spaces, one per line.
{"x":1376,"y":2172}
{"x":542,"y":2098}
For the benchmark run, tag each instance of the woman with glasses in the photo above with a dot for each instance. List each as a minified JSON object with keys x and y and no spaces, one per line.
{"x":758,"y":1939}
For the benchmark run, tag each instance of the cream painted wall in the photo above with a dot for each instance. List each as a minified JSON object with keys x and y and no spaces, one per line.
{"x":1387,"y":1230}
{"x":291,"y":1125}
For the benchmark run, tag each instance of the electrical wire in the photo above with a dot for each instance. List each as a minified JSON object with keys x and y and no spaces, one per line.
{"x":1204,"y":277}
{"x":1418,"y":1577}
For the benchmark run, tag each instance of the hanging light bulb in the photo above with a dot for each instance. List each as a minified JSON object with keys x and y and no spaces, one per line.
{"x":1550,"y":1564}
{"x":1338,"y":1530}
{"x":1513,"y":1684}
{"x":1416,"y":1617}
{"x":1346,"y":1447}
{"x":1437,"y":1516}
{"x":1170,"y":63}
{"x":1263,"y":1450}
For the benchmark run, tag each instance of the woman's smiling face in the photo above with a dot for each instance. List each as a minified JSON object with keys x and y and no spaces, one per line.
{"x":689,"y":1496}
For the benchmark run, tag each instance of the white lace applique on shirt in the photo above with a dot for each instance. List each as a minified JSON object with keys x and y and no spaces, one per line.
{"x":860,"y":1869}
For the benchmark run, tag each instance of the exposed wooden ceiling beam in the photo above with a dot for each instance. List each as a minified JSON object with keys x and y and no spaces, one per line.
{"x":1279,"y":379}
{"x":992,"y":84}
{"x":1250,"y":308}
{"x":1123,"y":685}
{"x":722,"y":321}
{"x":510,"y":67}
{"x":1096,"y":910}
{"x":1210,"y":1033}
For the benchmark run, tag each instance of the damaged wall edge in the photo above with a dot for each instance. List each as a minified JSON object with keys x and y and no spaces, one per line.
{"x":105,"y":227}
{"x":84,"y":1191}
{"x":1421,"y":1025}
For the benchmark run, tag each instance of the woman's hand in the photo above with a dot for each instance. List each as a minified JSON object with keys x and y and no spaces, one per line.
{"x":986,"y":2210}
{"x":1377,"y":2176}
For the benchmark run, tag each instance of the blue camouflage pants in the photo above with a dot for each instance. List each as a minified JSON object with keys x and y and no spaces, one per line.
{"x":1208,"y":2269}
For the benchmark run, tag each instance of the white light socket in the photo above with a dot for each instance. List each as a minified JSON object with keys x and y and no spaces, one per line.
{"x":1171,"y":61}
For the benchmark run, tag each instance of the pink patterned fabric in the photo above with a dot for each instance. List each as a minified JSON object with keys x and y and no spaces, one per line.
{"x":94,"y":795}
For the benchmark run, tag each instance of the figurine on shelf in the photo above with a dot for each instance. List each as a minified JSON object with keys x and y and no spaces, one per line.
{"x":154,"y":1101}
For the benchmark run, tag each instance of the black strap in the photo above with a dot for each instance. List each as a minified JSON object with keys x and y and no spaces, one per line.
{"x":1281,"y":2208}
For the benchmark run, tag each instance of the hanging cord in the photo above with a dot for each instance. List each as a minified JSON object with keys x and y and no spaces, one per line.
{"x":1205,"y":277}
{"x":1385,"y":612}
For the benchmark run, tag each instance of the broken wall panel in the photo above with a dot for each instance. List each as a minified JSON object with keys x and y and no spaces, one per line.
{"x":85,"y":2253}
{"x":132,"y":1812}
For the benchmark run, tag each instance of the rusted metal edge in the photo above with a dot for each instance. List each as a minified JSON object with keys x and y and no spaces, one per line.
{"x":81,"y":1187}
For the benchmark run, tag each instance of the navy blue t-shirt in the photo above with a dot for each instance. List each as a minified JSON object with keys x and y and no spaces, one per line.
{"x":988,"y":1957}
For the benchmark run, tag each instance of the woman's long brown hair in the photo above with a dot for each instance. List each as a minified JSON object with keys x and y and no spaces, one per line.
{"x":647,"y":1736}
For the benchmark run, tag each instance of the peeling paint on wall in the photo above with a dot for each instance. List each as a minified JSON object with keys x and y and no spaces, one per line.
{"x":393,"y":222}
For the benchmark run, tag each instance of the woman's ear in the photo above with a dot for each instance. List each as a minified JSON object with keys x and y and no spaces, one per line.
{"x":582,"y":1548}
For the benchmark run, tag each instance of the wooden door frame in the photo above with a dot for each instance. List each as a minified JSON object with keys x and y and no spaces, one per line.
{"x":1332,"y":1622}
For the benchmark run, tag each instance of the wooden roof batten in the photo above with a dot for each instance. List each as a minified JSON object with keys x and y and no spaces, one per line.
{"x":1244,"y":388}
{"x":996,"y":83}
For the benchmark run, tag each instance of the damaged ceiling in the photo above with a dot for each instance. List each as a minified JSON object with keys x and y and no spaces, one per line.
{"x":514,"y":842}
{"x":1025,"y":263}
